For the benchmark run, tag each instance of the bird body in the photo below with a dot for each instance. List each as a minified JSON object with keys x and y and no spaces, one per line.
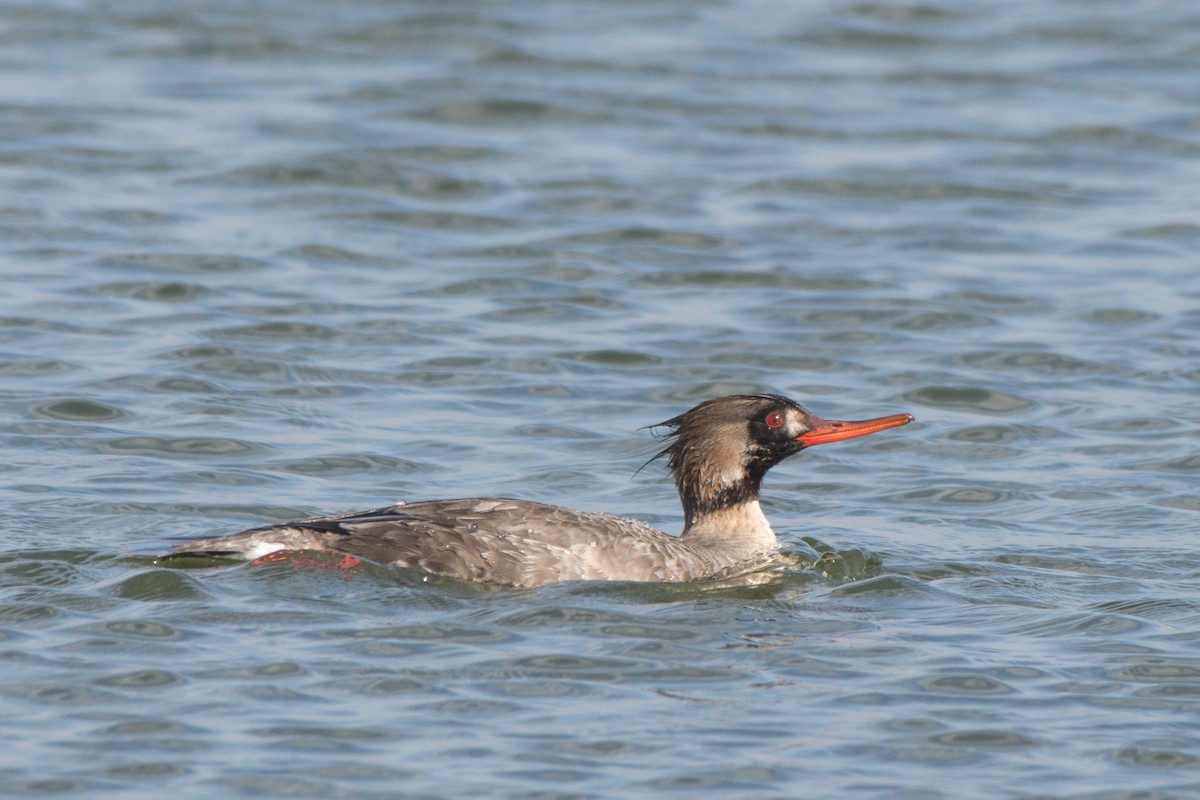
{"x":719,"y":453}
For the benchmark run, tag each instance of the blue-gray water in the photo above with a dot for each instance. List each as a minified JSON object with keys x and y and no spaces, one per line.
{"x":262,"y":260}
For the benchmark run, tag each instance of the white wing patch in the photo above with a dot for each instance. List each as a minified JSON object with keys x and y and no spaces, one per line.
{"x":260,"y":549}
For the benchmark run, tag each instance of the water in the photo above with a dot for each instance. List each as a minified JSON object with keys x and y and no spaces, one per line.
{"x":267,"y":260}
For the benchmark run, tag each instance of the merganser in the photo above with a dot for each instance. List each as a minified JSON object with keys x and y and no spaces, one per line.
{"x":719,"y":453}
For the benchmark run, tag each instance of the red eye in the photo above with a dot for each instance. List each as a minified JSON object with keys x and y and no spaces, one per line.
{"x":774,"y":419}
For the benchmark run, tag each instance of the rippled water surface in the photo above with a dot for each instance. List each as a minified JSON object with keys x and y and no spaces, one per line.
{"x":272,"y":259}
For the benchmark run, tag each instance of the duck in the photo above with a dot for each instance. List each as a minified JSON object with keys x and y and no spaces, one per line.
{"x":718,"y":454}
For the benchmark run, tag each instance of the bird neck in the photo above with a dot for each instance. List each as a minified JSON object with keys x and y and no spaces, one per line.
{"x":706,"y":491}
{"x":719,"y":478}
{"x":740,"y":526}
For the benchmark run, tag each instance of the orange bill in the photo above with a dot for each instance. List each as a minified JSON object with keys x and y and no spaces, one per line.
{"x":832,"y":430}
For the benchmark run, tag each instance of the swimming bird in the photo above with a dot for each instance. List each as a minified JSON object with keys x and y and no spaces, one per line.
{"x":719,"y":452}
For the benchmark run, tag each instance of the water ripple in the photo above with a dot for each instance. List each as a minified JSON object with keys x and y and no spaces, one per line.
{"x":289,"y":260}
